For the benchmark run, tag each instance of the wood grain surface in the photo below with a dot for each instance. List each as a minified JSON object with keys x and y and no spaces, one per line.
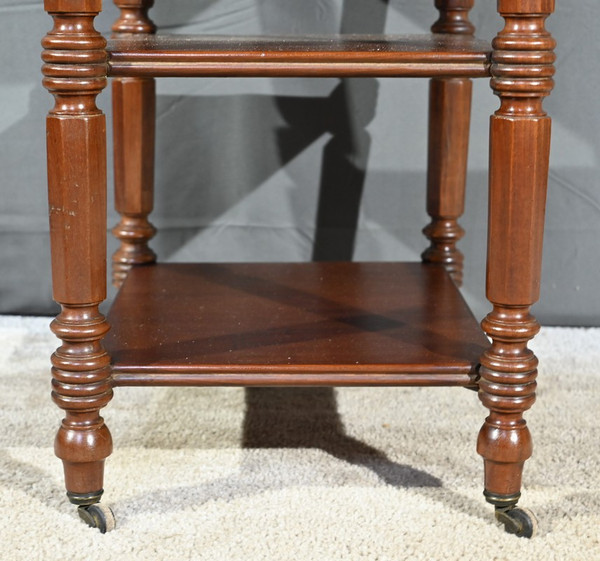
{"x":292,"y":324}
{"x":334,"y":55}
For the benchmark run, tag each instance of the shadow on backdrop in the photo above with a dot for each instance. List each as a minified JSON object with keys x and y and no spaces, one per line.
{"x":308,"y":417}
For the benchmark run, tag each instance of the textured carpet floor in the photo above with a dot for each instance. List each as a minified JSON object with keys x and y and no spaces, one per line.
{"x":315,"y":474}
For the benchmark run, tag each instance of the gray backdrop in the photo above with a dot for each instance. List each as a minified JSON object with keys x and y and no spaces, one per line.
{"x":242,"y":163}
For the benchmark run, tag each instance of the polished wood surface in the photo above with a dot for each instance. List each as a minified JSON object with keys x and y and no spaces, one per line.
{"x":341,"y":55}
{"x":522,"y":70}
{"x":75,"y":73}
{"x":134,"y":108}
{"x":295,"y":324}
{"x":134,"y":17}
{"x":305,"y":323}
{"x":448,"y":146}
{"x":134,"y":122}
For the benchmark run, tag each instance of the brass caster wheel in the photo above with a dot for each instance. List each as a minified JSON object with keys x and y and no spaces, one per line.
{"x":518,"y":521}
{"x":98,"y":516}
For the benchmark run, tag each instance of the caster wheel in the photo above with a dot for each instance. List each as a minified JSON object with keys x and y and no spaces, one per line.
{"x":98,"y":516}
{"x":518,"y":521}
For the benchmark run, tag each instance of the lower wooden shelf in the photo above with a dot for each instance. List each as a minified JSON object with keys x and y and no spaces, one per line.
{"x":293,"y":324}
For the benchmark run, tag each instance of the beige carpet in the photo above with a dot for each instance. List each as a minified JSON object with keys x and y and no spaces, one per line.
{"x":373,"y":474}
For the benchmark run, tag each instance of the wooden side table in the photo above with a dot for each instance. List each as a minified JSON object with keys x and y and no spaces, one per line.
{"x":294,"y":324}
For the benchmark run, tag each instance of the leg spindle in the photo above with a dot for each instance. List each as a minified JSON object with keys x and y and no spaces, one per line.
{"x":134,"y":109}
{"x":522,"y":69}
{"x":75,"y":73}
{"x":449,"y":119}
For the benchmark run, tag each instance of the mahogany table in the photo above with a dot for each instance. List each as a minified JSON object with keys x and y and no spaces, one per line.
{"x":303,"y":324}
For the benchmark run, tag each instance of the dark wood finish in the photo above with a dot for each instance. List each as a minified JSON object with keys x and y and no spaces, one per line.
{"x":522,"y":72}
{"x":449,"y":121}
{"x":454,"y":17}
{"x":75,"y":73}
{"x":336,"y":55}
{"x":293,"y":324}
{"x":303,"y":324}
{"x":134,"y":116}
{"x":134,"y":17}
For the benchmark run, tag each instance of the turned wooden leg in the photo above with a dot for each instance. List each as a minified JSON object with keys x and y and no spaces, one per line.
{"x":75,"y":72}
{"x":133,"y":132}
{"x":522,"y":69}
{"x":449,"y":120}
{"x":449,"y":114}
{"x":134,"y":108}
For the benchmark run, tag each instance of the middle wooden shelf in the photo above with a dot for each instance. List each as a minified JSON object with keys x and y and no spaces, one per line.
{"x":425,"y":55}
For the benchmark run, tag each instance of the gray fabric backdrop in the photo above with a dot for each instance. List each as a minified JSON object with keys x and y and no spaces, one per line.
{"x":267,"y":148}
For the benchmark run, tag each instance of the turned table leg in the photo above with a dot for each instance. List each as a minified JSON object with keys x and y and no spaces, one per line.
{"x":134,"y":108}
{"x":449,"y":119}
{"x":522,"y":69}
{"x":75,"y":73}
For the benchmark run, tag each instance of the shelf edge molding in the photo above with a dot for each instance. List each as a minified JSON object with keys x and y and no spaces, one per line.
{"x":294,"y":379}
{"x":332,"y":56}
